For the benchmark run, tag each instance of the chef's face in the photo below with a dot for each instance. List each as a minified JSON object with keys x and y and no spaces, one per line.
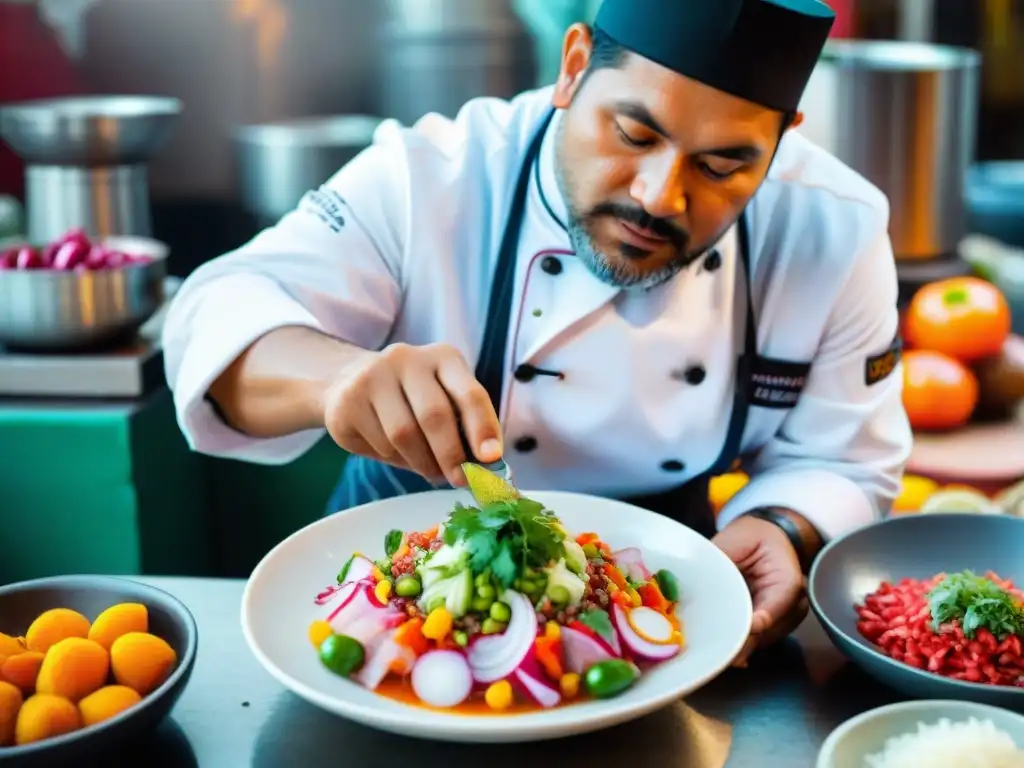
{"x":654,"y":167}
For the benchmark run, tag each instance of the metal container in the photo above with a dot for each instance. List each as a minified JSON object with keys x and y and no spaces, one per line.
{"x":87,"y":161}
{"x":439,"y":54}
{"x":905,"y":116}
{"x":49,"y":310}
{"x":279,"y":162}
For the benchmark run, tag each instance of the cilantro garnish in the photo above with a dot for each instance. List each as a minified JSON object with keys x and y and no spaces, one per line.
{"x":600,"y":622}
{"x":506,"y":536}
{"x":977,"y":602}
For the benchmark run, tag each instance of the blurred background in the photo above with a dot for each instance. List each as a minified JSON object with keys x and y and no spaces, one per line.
{"x":227,"y":111}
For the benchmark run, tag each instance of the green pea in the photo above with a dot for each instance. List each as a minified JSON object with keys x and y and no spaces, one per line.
{"x":517,"y":584}
{"x":559,"y":595}
{"x":492,"y":627}
{"x":591,"y":551}
{"x":668,"y":584}
{"x":481,"y":604}
{"x":501,"y":612}
{"x":483,"y":580}
{"x":485,"y":591}
{"x":529,"y":573}
{"x":461,"y":638}
{"x":435,"y":603}
{"x":610,"y":678}
{"x":408,"y":586}
{"x":342,"y":654}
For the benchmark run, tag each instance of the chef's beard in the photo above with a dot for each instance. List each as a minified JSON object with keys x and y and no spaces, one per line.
{"x":620,"y":273}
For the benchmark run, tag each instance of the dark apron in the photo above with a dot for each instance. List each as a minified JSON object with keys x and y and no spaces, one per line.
{"x":364,"y":480}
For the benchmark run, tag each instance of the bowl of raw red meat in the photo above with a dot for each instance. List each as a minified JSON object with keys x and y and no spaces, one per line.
{"x":931,"y":605}
{"x":76,"y":293}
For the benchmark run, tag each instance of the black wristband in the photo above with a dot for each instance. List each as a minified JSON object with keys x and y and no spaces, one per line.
{"x":790,"y":529}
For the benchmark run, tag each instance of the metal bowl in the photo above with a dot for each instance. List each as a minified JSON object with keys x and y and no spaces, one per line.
{"x":89,"y":130}
{"x":917,"y":547}
{"x":49,"y":311}
{"x":89,"y":595}
{"x":866,"y":734}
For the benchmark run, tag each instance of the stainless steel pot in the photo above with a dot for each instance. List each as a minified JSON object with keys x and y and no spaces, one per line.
{"x":905,"y":116}
{"x":279,"y":162}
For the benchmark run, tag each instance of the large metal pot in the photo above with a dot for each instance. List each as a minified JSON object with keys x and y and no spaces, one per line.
{"x":439,"y":54}
{"x":905,"y":116}
{"x":280,"y":162}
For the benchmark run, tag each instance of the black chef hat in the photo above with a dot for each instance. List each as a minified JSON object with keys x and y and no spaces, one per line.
{"x":760,"y":50}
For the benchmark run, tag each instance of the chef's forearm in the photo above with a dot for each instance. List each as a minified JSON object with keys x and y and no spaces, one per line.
{"x":277,"y":386}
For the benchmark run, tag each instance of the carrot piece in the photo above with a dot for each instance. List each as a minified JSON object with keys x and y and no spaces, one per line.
{"x":615,"y":576}
{"x":431,"y":533}
{"x":402,"y":550}
{"x":651,"y":596}
{"x":622,"y":598}
{"x":549,"y":656}
{"x":586,"y":538}
{"x":410,"y":635}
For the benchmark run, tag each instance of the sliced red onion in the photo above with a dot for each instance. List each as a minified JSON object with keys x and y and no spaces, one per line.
{"x":495,"y":657}
{"x":360,"y":569}
{"x":582,"y":651}
{"x":382,"y":654}
{"x":529,"y":679}
{"x":362,"y":603}
{"x":367,"y":627}
{"x":631,"y":562}
{"x":635,"y":644}
{"x":442,"y":678}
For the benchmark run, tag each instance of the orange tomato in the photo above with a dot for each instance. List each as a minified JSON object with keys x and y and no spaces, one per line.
{"x":939,"y":392}
{"x":964,"y":317}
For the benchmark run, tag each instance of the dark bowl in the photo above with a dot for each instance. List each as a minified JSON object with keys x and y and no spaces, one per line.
{"x":89,"y":595}
{"x":917,"y":547}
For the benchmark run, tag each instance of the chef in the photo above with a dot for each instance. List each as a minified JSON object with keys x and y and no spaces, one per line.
{"x":625,"y":284}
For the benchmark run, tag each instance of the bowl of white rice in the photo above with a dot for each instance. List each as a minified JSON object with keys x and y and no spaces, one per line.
{"x":927,"y":734}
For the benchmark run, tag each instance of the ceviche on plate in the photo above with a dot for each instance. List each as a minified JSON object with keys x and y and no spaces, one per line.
{"x":497,"y":607}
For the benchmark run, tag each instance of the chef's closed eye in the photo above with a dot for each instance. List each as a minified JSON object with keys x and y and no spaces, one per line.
{"x":633,"y":133}
{"x":718,"y":168}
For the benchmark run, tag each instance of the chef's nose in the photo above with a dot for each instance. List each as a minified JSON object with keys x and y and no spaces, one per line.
{"x":658,"y":187}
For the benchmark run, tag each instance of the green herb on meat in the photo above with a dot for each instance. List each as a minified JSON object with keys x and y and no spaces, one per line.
{"x":977,"y":602}
{"x":600,"y":622}
{"x":392,"y":542}
{"x":507,"y":536}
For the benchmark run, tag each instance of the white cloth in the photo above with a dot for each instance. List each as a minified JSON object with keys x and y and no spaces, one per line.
{"x":401,"y":243}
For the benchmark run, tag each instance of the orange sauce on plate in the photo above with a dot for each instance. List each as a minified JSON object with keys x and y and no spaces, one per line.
{"x":400,"y":689}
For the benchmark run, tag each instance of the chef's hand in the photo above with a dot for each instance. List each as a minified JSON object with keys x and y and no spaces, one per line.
{"x":403,"y":405}
{"x":769,"y":563}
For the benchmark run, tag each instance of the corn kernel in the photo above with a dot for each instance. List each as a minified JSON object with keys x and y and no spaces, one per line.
{"x":499,"y":695}
{"x":611,"y":588}
{"x":382,"y":591}
{"x":552,"y":631}
{"x":570,"y":685}
{"x":318,"y":632}
{"x":634,"y":596}
{"x":378,"y":574}
{"x":438,"y":624}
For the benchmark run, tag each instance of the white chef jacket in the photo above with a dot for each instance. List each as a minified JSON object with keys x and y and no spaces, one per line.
{"x":400,"y":246}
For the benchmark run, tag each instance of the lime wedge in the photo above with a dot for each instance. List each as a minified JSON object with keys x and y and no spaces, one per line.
{"x":487,"y":487}
{"x":960,"y":501}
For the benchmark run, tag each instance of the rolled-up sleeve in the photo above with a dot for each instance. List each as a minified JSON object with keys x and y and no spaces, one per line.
{"x":333,"y":264}
{"x":839,"y":455}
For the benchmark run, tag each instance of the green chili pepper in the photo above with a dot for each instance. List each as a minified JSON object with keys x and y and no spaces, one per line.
{"x":342,"y":655}
{"x":610,"y":678}
{"x":343,"y":573}
{"x":668,"y":584}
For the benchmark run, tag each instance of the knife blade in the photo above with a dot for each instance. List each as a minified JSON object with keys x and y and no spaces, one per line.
{"x":500,"y":467}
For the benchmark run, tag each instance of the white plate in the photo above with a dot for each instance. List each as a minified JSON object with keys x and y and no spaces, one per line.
{"x":278,"y":607}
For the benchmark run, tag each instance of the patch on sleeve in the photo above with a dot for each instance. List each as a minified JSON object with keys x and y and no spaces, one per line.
{"x":326,"y":205}
{"x":879,"y":367}
{"x":777,"y":383}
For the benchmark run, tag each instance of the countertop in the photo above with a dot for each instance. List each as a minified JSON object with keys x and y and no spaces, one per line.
{"x":775,"y":714}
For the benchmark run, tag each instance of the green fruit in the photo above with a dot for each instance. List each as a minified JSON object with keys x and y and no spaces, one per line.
{"x":610,"y":678}
{"x":342,"y":655}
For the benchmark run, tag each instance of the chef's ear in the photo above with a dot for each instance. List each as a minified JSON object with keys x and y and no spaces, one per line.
{"x":576,"y":50}
{"x":798,"y":118}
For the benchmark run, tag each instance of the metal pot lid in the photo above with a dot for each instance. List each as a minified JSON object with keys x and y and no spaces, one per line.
{"x":327,"y":131}
{"x":898,"y":55}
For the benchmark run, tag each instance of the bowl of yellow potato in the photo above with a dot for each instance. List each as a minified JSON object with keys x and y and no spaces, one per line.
{"x":87,"y":663}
